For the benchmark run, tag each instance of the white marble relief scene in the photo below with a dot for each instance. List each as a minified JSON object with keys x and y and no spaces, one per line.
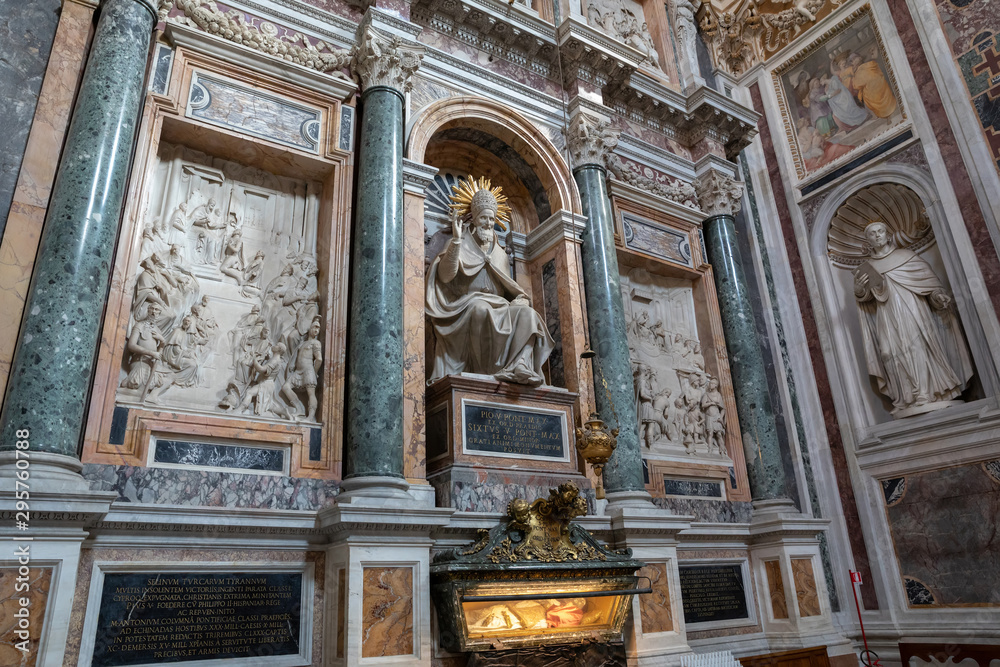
{"x":625,"y":21}
{"x":226,"y":311}
{"x":680,"y":408}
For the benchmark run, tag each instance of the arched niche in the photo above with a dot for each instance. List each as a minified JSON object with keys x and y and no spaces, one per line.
{"x":475,"y":136}
{"x":506,"y":135}
{"x":906,"y":195}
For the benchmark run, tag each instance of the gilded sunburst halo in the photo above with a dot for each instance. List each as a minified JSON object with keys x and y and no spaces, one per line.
{"x":461,"y":199}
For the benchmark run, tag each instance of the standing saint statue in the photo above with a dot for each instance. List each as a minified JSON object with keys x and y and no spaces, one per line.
{"x":482,"y":319}
{"x":913,"y":342}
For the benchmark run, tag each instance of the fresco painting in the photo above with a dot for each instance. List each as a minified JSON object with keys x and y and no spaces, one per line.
{"x":838,"y":95}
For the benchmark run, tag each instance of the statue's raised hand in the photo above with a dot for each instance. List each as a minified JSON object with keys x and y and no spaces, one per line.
{"x":456,"y":225}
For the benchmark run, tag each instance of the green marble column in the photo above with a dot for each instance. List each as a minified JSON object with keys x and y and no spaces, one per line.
{"x":51,"y":371}
{"x":374,"y":417}
{"x":606,"y":321}
{"x":753,"y":402}
{"x":375,"y":366}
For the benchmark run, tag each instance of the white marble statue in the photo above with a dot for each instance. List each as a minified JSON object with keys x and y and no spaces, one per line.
{"x":913,"y":342}
{"x":482,"y":320}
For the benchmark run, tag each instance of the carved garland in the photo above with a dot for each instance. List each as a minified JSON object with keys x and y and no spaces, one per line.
{"x":257,"y":34}
{"x":675,"y":191}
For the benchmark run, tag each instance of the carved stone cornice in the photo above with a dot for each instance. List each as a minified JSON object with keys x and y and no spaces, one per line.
{"x":743,"y":33}
{"x":510,"y":31}
{"x":718,"y":193}
{"x":379,"y":59}
{"x":592,"y":56}
{"x":590,"y":140}
{"x":256,"y":33}
{"x":687,"y":119}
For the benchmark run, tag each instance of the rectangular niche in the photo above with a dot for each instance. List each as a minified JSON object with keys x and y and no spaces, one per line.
{"x":686,"y":410}
{"x":225,"y":331}
{"x":228,"y":264}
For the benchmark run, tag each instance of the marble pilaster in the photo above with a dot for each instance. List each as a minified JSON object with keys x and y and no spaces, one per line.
{"x":385,"y":64}
{"x":590,"y":140}
{"x":720,"y":197}
{"x":52,"y":367}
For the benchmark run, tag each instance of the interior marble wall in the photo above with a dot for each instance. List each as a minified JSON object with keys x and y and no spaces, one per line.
{"x":27,"y":30}
{"x":944,"y":525}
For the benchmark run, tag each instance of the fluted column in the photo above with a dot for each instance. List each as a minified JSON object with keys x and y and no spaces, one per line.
{"x":590,"y":140}
{"x":52,"y":368}
{"x":385,"y":64}
{"x":720,"y":197}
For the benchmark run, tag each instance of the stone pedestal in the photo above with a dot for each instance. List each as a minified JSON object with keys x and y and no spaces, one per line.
{"x":793,"y":600}
{"x":378,"y":597}
{"x":656,"y":634}
{"x":44,"y":555}
{"x":489,"y":442}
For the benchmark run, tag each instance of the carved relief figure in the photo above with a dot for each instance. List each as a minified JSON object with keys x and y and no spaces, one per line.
{"x":261,"y":390}
{"x":913,"y":342}
{"x":648,"y":419}
{"x":482,"y":320}
{"x":714,"y":409}
{"x":144,"y":343}
{"x":307,"y":362}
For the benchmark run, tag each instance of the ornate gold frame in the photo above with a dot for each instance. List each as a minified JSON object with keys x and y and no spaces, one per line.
{"x":783,"y":106}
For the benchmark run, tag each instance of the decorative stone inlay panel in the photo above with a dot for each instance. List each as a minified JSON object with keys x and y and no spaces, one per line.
{"x":226,"y":104}
{"x":776,"y":588}
{"x":805,"y":587}
{"x":719,"y":194}
{"x":655,"y":607}
{"x":590,"y":140}
{"x":15,"y":649}
{"x":225,"y":313}
{"x":929,"y":513}
{"x":385,"y":60}
{"x":387,"y":612}
{"x":681,"y":410}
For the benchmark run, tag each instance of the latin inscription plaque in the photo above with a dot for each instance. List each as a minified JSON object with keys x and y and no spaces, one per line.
{"x":713,"y":593}
{"x":499,"y":430}
{"x":179,"y":616}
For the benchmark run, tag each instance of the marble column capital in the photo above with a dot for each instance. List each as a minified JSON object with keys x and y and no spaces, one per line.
{"x":719,"y":193}
{"x":591,"y":140}
{"x":381,"y":59}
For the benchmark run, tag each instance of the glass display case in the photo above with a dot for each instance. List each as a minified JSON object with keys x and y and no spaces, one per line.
{"x":536,"y":579}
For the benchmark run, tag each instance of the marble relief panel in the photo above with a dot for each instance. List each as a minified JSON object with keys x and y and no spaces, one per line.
{"x":929,"y":514}
{"x":226,"y":104}
{"x":681,"y":410}
{"x":655,"y":607}
{"x":387,"y":612}
{"x":225,"y":313}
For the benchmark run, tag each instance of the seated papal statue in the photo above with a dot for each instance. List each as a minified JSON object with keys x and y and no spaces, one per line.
{"x":482,"y":319}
